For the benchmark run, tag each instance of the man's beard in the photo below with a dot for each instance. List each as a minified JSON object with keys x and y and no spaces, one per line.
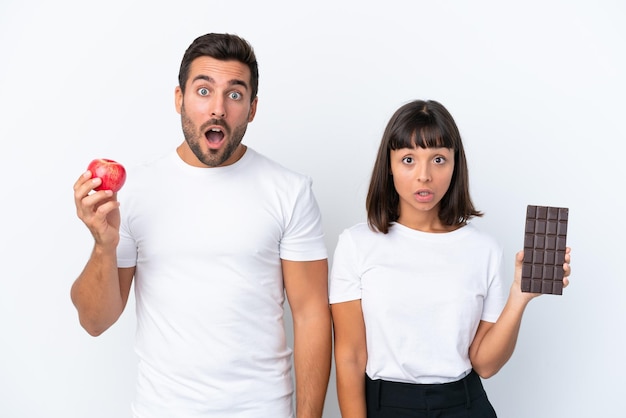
{"x":213,"y":157}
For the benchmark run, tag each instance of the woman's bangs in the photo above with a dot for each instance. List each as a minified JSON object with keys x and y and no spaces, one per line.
{"x":401,"y":136}
{"x":430,"y":136}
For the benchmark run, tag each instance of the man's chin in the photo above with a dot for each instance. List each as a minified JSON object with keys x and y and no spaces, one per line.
{"x":217,"y":157}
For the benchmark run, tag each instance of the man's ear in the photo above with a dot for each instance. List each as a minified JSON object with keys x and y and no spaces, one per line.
{"x":178,"y":99}
{"x":252,"y":109}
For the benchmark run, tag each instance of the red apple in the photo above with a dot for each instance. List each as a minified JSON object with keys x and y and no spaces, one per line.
{"x":112,"y":173}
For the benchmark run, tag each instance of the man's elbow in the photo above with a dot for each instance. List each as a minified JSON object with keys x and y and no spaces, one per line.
{"x":94,"y":329}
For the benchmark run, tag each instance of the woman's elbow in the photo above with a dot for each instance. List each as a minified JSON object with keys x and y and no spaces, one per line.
{"x":486,"y":371}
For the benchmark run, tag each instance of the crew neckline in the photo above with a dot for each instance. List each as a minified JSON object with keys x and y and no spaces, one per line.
{"x":245,"y":158}
{"x":444,"y":236}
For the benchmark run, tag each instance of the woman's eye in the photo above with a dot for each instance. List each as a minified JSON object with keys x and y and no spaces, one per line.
{"x":203,"y":91}
{"x":235,"y":95}
{"x":407,"y":160}
{"x":440,"y":160}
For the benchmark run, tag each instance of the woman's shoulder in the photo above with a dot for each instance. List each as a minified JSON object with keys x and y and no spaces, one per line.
{"x":479,"y":235}
{"x":359,"y":229}
{"x":361,"y":235}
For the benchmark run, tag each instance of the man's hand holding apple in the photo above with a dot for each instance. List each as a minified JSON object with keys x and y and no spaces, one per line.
{"x":95,"y":197}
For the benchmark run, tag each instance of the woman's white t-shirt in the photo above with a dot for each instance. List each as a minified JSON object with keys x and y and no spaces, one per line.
{"x":422,"y":294}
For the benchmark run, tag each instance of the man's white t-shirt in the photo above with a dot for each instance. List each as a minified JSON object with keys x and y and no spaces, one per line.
{"x":422,"y":296}
{"x":207,"y":244}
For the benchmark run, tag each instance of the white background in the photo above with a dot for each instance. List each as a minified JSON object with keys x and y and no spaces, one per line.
{"x":536,"y":87}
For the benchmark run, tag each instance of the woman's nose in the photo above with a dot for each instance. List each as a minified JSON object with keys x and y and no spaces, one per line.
{"x":423,"y":173}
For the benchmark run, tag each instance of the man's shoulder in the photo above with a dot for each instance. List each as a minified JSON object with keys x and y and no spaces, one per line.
{"x":269,"y":164}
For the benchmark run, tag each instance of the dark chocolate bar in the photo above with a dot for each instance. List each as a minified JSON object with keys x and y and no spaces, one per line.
{"x":544,"y":249}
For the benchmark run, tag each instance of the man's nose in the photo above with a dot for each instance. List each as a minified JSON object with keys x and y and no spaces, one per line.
{"x":217,"y":108}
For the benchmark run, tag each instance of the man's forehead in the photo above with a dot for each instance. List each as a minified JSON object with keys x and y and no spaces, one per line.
{"x":219,"y":71}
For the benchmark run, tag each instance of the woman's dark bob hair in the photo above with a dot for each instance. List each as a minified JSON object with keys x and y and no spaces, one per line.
{"x":424,"y":124}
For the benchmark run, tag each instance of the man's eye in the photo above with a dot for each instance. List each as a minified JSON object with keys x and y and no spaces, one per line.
{"x":203,"y":91}
{"x":235,"y":95}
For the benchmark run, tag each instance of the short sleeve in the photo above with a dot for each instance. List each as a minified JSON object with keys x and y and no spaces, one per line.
{"x":126,"y":248}
{"x":496,"y":298}
{"x":345,"y":278}
{"x":303,"y":239}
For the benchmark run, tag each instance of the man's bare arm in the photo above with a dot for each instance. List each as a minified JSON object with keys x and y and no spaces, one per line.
{"x":306,"y":285}
{"x":101,"y":290}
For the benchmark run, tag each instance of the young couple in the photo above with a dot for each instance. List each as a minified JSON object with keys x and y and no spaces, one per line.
{"x":214,"y":235}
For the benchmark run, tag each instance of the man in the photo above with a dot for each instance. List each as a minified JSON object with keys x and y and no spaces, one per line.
{"x":214,"y":235}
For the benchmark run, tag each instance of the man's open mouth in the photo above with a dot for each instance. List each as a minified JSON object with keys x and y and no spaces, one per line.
{"x":214,"y":135}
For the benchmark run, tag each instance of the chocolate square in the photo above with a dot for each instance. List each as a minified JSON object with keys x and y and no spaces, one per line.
{"x":544,"y":249}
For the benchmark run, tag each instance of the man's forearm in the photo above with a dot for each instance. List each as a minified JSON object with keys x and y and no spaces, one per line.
{"x":96,"y":292}
{"x":312,"y":359}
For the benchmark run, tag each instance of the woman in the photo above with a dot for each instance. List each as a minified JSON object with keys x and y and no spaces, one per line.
{"x":422,"y":281}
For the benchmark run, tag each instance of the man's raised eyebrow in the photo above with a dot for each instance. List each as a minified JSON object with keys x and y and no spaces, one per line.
{"x":234,"y":82}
